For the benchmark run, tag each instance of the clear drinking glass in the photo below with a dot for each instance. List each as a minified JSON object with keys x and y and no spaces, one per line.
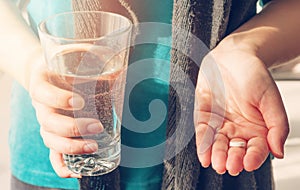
{"x":87,"y":53}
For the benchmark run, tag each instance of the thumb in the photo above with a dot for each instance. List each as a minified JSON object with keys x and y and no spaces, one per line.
{"x":276,"y":139}
{"x":274,"y":114}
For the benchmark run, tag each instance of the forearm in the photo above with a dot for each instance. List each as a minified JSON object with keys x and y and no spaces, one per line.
{"x":273,"y":35}
{"x":18,"y":44}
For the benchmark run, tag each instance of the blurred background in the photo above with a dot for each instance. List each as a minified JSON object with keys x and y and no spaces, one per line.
{"x":286,"y":171}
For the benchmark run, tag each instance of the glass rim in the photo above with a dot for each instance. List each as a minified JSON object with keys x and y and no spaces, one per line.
{"x":117,"y":33}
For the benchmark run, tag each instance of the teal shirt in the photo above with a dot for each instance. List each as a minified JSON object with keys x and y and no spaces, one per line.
{"x":29,"y":156}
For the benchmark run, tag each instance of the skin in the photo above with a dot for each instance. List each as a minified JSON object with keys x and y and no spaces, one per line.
{"x":252,"y":113}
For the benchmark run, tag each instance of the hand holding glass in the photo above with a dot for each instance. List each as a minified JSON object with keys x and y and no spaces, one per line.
{"x":87,"y":53}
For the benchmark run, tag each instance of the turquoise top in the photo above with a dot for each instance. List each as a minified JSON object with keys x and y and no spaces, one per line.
{"x":29,"y":156}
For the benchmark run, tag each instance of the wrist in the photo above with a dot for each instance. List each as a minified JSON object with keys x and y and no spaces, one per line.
{"x":237,"y":43}
{"x":236,"y":51}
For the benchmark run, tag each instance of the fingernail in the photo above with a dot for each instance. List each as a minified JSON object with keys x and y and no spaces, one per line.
{"x":95,"y":128}
{"x":90,"y":147}
{"x":76,"y":102}
{"x":73,"y":175}
{"x":236,"y":174}
{"x":204,"y":166}
{"x":282,"y":151}
{"x":281,"y":155}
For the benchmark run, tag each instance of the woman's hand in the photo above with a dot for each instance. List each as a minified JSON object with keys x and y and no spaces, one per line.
{"x":57,"y":129}
{"x":243,"y":104}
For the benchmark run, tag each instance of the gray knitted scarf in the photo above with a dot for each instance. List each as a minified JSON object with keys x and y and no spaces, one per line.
{"x":210,"y":21}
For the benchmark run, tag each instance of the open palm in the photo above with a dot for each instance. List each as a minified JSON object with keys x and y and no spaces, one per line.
{"x":237,"y":101}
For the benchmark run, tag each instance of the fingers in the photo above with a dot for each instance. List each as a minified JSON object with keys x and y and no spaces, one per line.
{"x":204,"y":140}
{"x":276,"y":140}
{"x":56,"y":127}
{"x":55,"y":97}
{"x":272,"y":109}
{"x":41,"y":90}
{"x":234,"y":163}
{"x":216,"y":149}
{"x":68,"y":145}
{"x":257,"y":152}
{"x":236,"y":158}
{"x":63,"y":125}
{"x":219,"y":153}
{"x":59,"y":166}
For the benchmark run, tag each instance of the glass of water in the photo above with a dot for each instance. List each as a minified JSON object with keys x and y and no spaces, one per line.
{"x":87,"y":53}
